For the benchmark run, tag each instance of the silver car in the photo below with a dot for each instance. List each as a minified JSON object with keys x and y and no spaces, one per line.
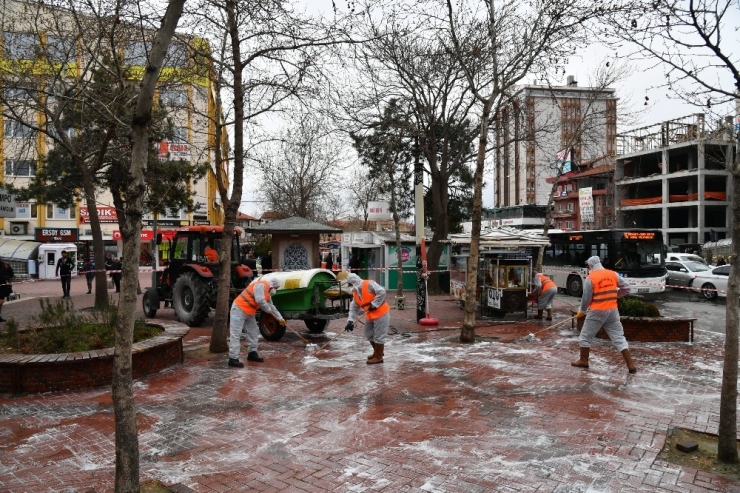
{"x":682,"y":273}
{"x":713,"y":283}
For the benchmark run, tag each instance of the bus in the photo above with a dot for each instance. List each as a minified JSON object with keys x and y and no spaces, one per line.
{"x":637,"y":255}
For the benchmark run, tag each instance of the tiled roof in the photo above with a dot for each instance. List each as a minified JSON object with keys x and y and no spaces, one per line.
{"x":294,"y":224}
{"x":240,"y":216}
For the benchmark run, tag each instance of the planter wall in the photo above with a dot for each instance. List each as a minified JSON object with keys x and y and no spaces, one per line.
{"x":652,"y":329}
{"x":35,"y":373}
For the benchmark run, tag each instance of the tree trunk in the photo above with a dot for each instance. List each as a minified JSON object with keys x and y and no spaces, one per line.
{"x":467,"y":333}
{"x":127,"y":442}
{"x":219,"y":335}
{"x":727,"y":446}
{"x":101,"y":282}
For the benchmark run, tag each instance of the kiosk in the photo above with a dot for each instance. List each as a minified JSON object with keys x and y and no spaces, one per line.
{"x":49,"y":253}
{"x":505,"y":265}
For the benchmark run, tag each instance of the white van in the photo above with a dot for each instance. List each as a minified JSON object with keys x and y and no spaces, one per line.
{"x":684,"y":257}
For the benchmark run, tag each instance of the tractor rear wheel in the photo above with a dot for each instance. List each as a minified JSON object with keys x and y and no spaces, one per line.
{"x":316,"y":326}
{"x":269,"y":327}
{"x":191,"y":299}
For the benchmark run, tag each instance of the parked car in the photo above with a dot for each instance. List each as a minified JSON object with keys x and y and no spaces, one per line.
{"x":684,"y":257}
{"x":683,"y":272}
{"x":713,"y":283}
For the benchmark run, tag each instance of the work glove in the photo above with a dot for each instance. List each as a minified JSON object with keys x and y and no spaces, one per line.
{"x":282,"y":322}
{"x":349,"y":327}
{"x":580,"y":314}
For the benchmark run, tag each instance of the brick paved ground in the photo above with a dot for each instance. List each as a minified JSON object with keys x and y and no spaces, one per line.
{"x":438,"y":416}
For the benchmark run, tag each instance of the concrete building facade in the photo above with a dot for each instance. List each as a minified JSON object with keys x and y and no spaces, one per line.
{"x":45,"y":43}
{"x":675,"y":176}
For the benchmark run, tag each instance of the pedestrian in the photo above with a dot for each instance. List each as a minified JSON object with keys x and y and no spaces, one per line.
{"x":115,"y":273}
{"x":601,"y":289}
{"x":354,"y":262}
{"x":721,"y":261}
{"x":267,"y":262}
{"x":6,"y":288}
{"x":65,"y":266}
{"x":369,"y":296}
{"x":88,"y":267}
{"x":243,"y":317}
{"x":108,"y":262}
{"x":545,"y":290}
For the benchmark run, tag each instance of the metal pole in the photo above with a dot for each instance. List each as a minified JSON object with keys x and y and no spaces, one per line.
{"x":421,"y":291}
{"x":155,"y":251}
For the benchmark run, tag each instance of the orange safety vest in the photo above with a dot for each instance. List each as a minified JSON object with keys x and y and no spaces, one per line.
{"x":546,"y":281}
{"x":366,"y":299}
{"x":246,"y":300}
{"x":606,"y":287}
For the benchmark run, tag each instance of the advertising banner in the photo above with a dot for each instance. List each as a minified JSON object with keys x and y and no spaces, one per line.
{"x":586,"y":204}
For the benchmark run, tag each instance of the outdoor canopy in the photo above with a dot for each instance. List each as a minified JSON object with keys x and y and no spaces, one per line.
{"x":503,"y":237}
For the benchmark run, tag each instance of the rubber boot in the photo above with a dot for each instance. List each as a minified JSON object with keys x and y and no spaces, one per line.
{"x":583,"y":361}
{"x":549,"y":314}
{"x":539,"y":315}
{"x":378,"y":356}
{"x":375,"y":349}
{"x":628,"y":360}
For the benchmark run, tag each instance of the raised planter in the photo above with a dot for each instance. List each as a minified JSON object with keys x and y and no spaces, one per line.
{"x":35,"y":373}
{"x":652,"y":329}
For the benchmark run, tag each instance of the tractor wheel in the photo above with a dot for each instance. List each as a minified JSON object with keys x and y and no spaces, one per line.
{"x":270,"y":328}
{"x":316,"y":326}
{"x":150,"y":307}
{"x":575,"y":286}
{"x":191,"y":299}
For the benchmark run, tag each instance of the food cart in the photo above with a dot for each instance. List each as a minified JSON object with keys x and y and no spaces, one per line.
{"x":505,"y":262}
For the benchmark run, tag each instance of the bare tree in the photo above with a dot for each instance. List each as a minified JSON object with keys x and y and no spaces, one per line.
{"x":364,"y":189}
{"x":301,"y":169}
{"x":692,"y":41}
{"x":406,"y":60}
{"x":269,"y":55}
{"x":498,"y":44}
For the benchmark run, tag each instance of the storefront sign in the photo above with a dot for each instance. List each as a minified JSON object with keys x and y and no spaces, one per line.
{"x":48,"y":235}
{"x":166,"y":222}
{"x":7,"y":204}
{"x":174,"y":151}
{"x":201,"y":222}
{"x":586,"y":204}
{"x":146,"y":235}
{"x":105,"y":215}
{"x":379,"y":211}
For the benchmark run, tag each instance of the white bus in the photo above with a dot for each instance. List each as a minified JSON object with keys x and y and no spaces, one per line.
{"x":637,"y":255}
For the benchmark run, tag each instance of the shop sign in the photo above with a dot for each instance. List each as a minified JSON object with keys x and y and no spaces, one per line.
{"x":48,"y":235}
{"x":167,"y":222}
{"x":171,"y":151}
{"x":201,"y":222}
{"x":7,"y":204}
{"x":105,"y":215}
{"x":145,"y":235}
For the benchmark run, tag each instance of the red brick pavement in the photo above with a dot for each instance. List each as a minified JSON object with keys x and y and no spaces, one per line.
{"x":502,"y":414}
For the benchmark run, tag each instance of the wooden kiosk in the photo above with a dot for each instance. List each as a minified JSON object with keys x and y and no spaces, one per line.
{"x":505,"y":265}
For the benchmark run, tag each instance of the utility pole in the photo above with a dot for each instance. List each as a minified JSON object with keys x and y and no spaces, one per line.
{"x":421,"y":292}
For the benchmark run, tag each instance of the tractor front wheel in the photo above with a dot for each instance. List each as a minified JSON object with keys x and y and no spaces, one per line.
{"x":149,"y":304}
{"x":191,"y":299}
{"x":316,"y":326}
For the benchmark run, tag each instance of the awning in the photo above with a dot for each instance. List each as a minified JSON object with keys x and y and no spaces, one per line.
{"x":13,"y":249}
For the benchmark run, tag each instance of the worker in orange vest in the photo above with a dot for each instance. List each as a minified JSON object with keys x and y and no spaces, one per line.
{"x":243,"y":316}
{"x":370,"y":296}
{"x":601,"y":289}
{"x":545,"y":290}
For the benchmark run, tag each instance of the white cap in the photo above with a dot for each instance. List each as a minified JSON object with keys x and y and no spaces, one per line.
{"x":354,"y":280}
{"x":593,"y":261}
{"x":274,"y":283}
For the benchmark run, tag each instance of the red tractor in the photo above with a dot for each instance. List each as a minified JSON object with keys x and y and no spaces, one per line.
{"x":190,"y":281}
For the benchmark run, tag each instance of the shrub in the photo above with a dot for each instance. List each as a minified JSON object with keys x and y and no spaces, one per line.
{"x":635,"y":307}
{"x":61,"y":329}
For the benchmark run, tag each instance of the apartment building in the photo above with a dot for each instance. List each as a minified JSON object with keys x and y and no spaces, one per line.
{"x":543,"y":121}
{"x":675,"y":176}
{"x":41,"y":43}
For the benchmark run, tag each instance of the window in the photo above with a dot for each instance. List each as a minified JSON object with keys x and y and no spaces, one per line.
{"x":19,"y":46}
{"x":61,"y":50}
{"x":15,"y":128}
{"x":174,"y":98}
{"x":177,"y":56}
{"x":26,"y":210}
{"x":569,"y":225}
{"x":598,"y":204}
{"x":569,"y":207}
{"x":54,"y":211}
{"x":136,"y":53}
{"x":18,"y":167}
{"x":180,"y":135}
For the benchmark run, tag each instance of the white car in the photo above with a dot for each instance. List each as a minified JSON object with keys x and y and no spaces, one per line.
{"x":713,"y":282}
{"x":684,"y":257}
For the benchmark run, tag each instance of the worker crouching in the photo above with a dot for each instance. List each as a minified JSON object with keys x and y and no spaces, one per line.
{"x":545,"y":290}
{"x":370,"y":296}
